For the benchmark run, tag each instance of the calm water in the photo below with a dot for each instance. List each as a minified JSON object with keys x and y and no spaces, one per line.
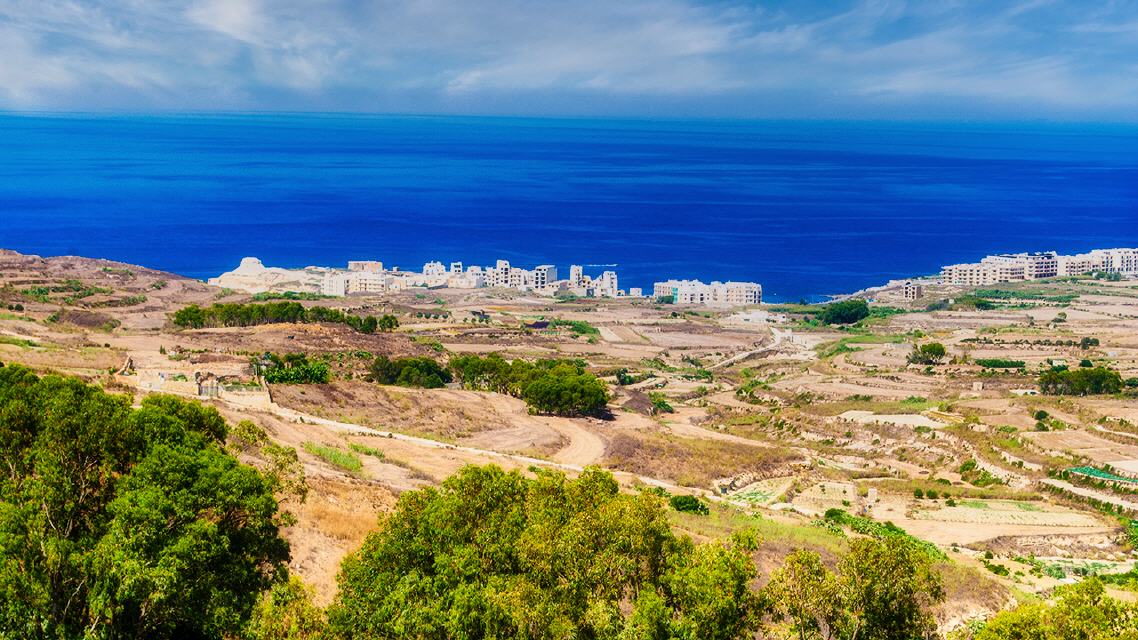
{"x":805,"y":208}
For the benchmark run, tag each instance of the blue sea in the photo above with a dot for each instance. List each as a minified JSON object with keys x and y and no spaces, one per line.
{"x":805,"y":208}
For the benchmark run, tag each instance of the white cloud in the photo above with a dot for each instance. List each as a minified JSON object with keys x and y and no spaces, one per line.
{"x":425,"y":55}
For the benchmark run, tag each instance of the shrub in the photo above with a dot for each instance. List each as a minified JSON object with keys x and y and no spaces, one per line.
{"x":249,"y":315}
{"x":660,"y":403}
{"x":918,"y":493}
{"x":576,"y":327}
{"x":845,"y":312}
{"x":689,"y":504}
{"x":1080,"y":382}
{"x":345,"y":460}
{"x":293,"y":368}
{"x":928,"y":354}
{"x":1000,"y":363}
{"x":409,"y":372}
{"x":560,"y":387}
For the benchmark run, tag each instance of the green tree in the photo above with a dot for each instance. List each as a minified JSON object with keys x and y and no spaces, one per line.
{"x":286,"y":612}
{"x":930,"y":353}
{"x":118,"y":522}
{"x":807,"y":593}
{"x":388,"y":323}
{"x":409,"y":372}
{"x":845,"y":312}
{"x":1081,"y":612}
{"x":888,"y":587}
{"x":883,"y":589}
{"x":493,"y":554}
{"x":560,"y":387}
{"x":1080,"y":382}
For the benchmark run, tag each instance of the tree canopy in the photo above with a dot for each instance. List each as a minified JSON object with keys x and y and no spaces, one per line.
{"x":1080,"y":382}
{"x":560,"y":387}
{"x":409,"y":372}
{"x":120,"y":523}
{"x":252,"y":314}
{"x":1082,"y":611}
{"x":492,"y":554}
{"x":845,"y":312}
{"x":293,"y":368}
{"x":882,"y":590}
{"x":928,"y":353}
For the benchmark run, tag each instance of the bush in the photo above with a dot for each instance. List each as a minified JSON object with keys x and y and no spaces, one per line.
{"x":660,"y":403}
{"x":918,"y":493}
{"x":845,"y":312}
{"x":293,"y":368}
{"x":1000,"y":363}
{"x":421,"y":372}
{"x":560,"y":387}
{"x":249,"y":315}
{"x":689,"y":504}
{"x":576,"y":327}
{"x":346,"y":460}
{"x":1080,"y":382}
{"x":928,"y":354}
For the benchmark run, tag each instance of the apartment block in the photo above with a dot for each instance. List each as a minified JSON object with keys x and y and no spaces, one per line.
{"x":1013,"y":267}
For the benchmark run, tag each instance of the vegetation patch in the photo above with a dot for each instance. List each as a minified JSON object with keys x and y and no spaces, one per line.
{"x":293,"y":368}
{"x":559,"y":387}
{"x":253,"y":314}
{"x":346,"y":460}
{"x":409,"y":372}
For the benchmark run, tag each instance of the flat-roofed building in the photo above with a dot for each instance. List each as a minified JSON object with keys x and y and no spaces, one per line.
{"x":740,"y":293}
{"x":576,"y":275}
{"x":366,"y":282}
{"x":696,"y":292}
{"x":1014,"y":267}
{"x":374,"y":266}
{"x":544,"y":275}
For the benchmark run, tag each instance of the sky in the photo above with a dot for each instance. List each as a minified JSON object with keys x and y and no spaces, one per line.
{"x":1074,"y":60}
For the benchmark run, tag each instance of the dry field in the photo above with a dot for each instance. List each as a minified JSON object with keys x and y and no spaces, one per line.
{"x":765,"y":404}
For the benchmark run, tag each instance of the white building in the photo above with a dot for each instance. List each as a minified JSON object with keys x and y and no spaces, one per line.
{"x":334,"y":284}
{"x":696,"y":292}
{"x":607,"y":286}
{"x":1014,"y":267}
{"x":576,"y":276}
{"x":374,"y":266}
{"x":544,"y":275}
{"x":434,"y":268}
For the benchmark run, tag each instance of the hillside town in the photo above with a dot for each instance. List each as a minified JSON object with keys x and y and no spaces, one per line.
{"x":371,"y":277}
